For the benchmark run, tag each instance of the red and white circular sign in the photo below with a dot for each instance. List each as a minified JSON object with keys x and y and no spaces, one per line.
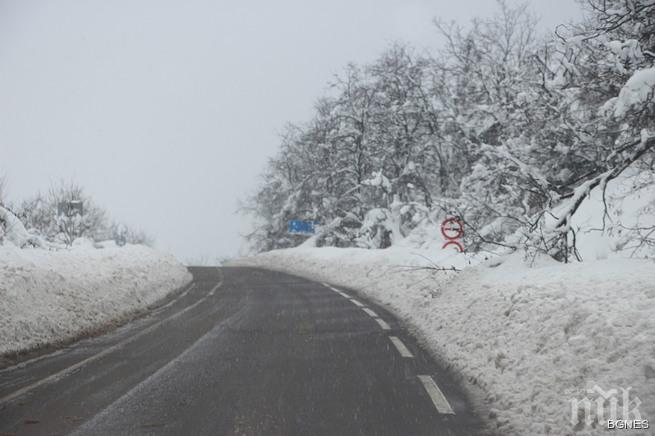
{"x":455,"y":244}
{"x":452,"y":228}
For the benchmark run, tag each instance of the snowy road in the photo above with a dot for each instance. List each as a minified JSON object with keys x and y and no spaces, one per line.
{"x":242,"y":351}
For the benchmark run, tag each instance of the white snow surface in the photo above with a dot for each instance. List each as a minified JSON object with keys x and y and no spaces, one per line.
{"x":51,"y":296}
{"x":637,"y":90}
{"x":532,"y":338}
{"x":14,"y":231}
{"x":620,"y":230}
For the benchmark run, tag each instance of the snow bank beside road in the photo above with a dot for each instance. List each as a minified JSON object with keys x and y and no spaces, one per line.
{"x":52,"y":296}
{"x":532,"y":338}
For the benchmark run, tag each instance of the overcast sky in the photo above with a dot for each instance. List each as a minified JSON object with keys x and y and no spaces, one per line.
{"x":166,"y":111}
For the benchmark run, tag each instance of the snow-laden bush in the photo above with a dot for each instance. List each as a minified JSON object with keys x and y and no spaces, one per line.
{"x":47,"y":216}
{"x":43,"y":215}
{"x":376,"y":229}
{"x":13,"y":231}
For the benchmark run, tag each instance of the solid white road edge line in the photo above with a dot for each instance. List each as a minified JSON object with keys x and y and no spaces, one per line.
{"x":382,"y":324}
{"x":170,"y":303}
{"x":155,"y":310}
{"x":58,"y":375}
{"x":356,"y":303}
{"x":438,"y":399}
{"x":369,"y":312}
{"x":402,"y":349}
{"x":91,"y":422}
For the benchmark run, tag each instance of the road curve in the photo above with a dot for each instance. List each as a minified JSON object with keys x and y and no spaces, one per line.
{"x":241,"y":351}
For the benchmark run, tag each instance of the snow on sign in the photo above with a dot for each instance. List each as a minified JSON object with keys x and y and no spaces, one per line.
{"x":301,"y":227}
{"x":452,"y":229}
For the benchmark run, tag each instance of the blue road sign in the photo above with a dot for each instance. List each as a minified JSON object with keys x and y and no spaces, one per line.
{"x":301,"y":227}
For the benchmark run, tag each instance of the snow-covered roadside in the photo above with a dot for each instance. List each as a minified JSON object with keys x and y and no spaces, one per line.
{"x":47,"y":297}
{"x":532,"y":338}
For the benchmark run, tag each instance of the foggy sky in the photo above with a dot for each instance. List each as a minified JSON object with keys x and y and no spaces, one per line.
{"x":166,"y":111}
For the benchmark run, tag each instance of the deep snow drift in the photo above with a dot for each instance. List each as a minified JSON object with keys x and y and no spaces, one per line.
{"x":48,"y":296}
{"x":532,"y":338}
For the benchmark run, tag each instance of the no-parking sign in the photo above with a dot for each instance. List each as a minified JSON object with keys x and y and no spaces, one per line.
{"x":452,"y":229}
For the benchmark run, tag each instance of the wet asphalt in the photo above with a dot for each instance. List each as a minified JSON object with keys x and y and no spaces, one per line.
{"x":241,"y":351}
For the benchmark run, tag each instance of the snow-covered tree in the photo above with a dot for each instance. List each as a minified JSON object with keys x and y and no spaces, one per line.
{"x":500,"y":125}
{"x":49,"y":215}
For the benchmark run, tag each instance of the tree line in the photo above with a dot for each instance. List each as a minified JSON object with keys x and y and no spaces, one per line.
{"x":49,"y":220}
{"x":498,"y":126}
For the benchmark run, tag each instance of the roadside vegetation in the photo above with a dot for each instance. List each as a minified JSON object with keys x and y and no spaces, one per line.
{"x":56,"y":218}
{"x":68,"y":271}
{"x":503,"y":127}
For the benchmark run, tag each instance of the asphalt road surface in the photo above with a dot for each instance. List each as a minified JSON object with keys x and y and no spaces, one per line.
{"x":241,"y":351}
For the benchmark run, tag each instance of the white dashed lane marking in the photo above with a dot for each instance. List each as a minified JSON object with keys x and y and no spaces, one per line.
{"x":438,"y":399}
{"x":382,"y":324}
{"x":170,"y":303}
{"x":402,"y":349}
{"x":343,"y":294}
{"x":357,"y":303}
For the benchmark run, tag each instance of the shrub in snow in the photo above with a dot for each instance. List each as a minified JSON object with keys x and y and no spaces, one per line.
{"x":13,"y":231}
{"x":123,"y":234}
{"x":376,"y":229}
{"x":44,"y":214}
{"x":50,"y":216}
